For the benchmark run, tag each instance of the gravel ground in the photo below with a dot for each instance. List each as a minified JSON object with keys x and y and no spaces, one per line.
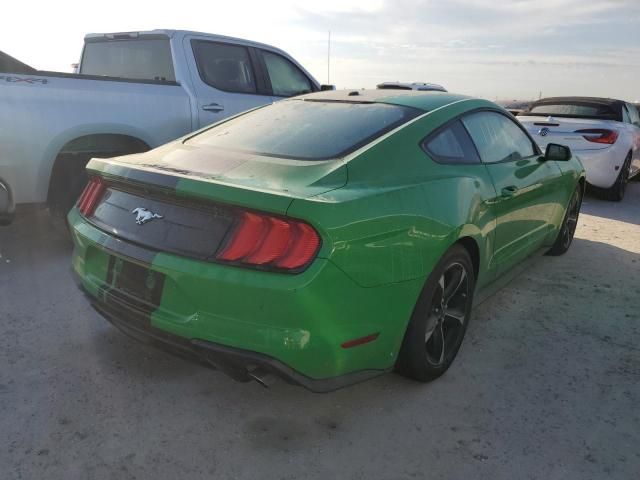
{"x":546,"y":386}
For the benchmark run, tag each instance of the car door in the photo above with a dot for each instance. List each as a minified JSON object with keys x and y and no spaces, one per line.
{"x":226,"y":79}
{"x":283,"y":77}
{"x":527,"y":188}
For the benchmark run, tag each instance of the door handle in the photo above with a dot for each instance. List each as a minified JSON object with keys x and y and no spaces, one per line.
{"x":509,"y":191}
{"x":213,"y":107}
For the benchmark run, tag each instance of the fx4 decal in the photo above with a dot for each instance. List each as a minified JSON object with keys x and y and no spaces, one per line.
{"x":11,"y":79}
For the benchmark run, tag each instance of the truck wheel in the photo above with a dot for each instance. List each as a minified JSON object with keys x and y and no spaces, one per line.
{"x":7,"y":207}
{"x":68,"y":180}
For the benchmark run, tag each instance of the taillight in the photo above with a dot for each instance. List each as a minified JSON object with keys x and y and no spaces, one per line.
{"x":599,"y":135}
{"x":271,"y":242}
{"x":91,"y":196}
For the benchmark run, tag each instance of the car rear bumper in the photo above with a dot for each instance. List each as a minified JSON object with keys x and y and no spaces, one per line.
{"x":243,"y":321}
{"x":241,"y":365}
{"x":602,"y":166}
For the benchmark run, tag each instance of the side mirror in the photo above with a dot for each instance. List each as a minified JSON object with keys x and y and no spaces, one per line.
{"x":324,"y":88}
{"x":559,"y":153}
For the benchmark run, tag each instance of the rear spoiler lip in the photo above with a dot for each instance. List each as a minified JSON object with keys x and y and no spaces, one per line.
{"x":185,"y":184}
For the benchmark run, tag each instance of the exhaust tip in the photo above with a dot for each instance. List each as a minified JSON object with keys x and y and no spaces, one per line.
{"x":263,"y":377}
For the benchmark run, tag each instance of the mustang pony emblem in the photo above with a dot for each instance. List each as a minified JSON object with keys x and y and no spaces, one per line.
{"x":143,"y":215}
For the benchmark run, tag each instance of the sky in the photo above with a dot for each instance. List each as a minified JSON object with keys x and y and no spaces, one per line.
{"x":509,"y":49}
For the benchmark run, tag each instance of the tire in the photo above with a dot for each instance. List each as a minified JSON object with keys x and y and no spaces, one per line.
{"x":616,"y":192}
{"x":569,"y":223}
{"x":67,"y":185}
{"x":437,"y":321}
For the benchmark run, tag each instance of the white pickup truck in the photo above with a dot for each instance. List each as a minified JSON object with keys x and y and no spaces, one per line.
{"x":132,"y":92}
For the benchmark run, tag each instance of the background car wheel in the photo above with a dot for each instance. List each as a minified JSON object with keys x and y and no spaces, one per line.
{"x":569,"y":224}
{"x":440,"y":317}
{"x":617,"y":191}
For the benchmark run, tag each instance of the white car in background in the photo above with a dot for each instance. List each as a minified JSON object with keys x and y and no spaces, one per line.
{"x":604,"y":133}
{"x":420,"y":86}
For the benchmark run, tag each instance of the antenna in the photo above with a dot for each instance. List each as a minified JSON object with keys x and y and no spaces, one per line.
{"x":329,"y":59}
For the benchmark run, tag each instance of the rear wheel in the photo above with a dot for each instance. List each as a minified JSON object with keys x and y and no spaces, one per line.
{"x":440,"y":318}
{"x":569,"y":224}
{"x":617,"y":190}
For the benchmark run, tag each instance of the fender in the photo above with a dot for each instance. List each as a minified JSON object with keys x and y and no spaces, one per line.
{"x":56,"y":145}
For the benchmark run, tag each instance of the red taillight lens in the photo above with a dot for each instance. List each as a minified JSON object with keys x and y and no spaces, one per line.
{"x":279,"y":243}
{"x":599,"y":135}
{"x":91,"y":196}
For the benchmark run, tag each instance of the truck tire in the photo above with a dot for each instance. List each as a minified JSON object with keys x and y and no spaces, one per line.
{"x":69,"y":177}
{"x":7,"y":206}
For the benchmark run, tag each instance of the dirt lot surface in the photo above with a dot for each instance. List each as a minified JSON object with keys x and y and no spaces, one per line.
{"x":546,"y":386}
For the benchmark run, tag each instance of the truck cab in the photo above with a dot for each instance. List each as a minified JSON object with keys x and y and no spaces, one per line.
{"x":130,"y":92}
{"x":224,"y":75}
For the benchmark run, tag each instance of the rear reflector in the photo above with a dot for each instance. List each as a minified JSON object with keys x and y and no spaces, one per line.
{"x":91,"y":196}
{"x":360,"y":341}
{"x":599,"y":135}
{"x":272,"y":242}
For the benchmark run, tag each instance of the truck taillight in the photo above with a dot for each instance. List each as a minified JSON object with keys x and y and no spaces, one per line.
{"x":272,"y":242}
{"x":91,"y":196}
{"x":599,"y":135}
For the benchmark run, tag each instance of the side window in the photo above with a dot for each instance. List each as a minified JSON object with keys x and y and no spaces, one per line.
{"x":225,"y":67}
{"x":286,"y":79}
{"x":451,"y":144}
{"x":497,"y":137}
{"x":626,"y":118}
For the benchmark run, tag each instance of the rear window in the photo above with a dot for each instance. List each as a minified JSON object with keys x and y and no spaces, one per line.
{"x":306,"y":130}
{"x":575,"y":110}
{"x":136,"y":59}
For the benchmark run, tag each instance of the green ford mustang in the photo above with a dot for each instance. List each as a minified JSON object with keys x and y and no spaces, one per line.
{"x":324,"y":239}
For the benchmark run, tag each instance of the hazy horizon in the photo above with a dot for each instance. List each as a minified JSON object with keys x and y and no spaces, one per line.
{"x":517,"y":50}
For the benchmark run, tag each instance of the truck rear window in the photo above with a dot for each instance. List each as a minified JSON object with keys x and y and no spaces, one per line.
{"x":137,"y":59}
{"x":307,"y":129}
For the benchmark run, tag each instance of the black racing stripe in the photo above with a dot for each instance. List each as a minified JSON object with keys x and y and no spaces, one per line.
{"x":129,"y":250}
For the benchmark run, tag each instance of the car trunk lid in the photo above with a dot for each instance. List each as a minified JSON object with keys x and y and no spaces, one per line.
{"x":566,"y":131}
{"x":187,"y":200}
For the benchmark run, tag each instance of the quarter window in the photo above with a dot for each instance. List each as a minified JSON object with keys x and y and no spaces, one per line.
{"x":451,"y":145}
{"x":497,"y":137}
{"x":633,"y":114}
{"x":626,"y":117}
{"x":286,"y":79}
{"x":225,"y":67}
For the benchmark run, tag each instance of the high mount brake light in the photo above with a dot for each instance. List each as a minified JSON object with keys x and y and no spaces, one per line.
{"x":272,"y":242}
{"x":91,"y":196}
{"x":599,"y":135}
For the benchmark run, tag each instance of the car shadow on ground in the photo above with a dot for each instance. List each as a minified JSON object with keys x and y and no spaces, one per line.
{"x":594,"y":205}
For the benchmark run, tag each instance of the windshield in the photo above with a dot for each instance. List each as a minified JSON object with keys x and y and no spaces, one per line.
{"x":307,"y":130}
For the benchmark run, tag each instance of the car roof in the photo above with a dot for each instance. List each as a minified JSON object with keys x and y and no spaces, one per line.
{"x":165,"y":32}
{"x":424,"y":100}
